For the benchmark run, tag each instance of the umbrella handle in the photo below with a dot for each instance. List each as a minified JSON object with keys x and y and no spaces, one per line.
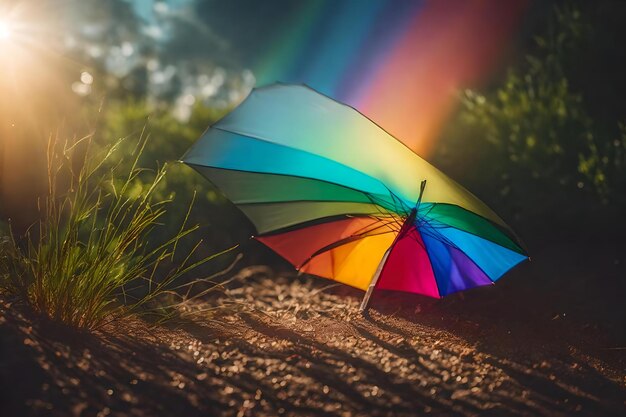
{"x":372,"y":285}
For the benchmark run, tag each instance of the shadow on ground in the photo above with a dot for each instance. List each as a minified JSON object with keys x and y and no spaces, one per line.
{"x":299,"y":347}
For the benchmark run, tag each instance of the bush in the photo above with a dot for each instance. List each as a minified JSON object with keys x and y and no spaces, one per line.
{"x":541,"y":155}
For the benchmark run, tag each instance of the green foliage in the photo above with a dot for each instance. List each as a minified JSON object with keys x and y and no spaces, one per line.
{"x":167,"y":140}
{"x":168,"y":137}
{"x":221,"y":225}
{"x":90,"y":258}
{"x":533,"y":137}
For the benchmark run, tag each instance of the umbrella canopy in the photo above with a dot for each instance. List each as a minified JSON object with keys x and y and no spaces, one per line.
{"x":339,"y":197}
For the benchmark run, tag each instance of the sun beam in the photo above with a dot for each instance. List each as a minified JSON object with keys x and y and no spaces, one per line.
{"x":35,"y":97}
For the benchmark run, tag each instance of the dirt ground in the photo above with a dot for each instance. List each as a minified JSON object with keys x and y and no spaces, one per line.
{"x":299,"y":347}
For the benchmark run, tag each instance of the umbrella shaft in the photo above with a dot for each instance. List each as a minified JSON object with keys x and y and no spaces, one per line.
{"x":370,"y":289}
{"x":408,"y":223}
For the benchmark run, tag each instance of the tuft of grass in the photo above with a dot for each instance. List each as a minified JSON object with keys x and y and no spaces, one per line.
{"x":91,"y":257}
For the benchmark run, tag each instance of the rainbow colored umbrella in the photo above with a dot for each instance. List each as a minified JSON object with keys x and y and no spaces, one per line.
{"x":339,"y":197}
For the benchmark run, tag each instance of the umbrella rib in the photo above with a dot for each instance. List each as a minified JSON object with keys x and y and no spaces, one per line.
{"x":503,"y":230}
{"x":443,"y":225}
{"x":378,"y":226}
{"x":448,"y":242}
{"x":366,"y":193}
{"x":282,"y":145}
{"x":339,"y":243}
{"x":314,"y":222}
{"x":352,"y":238}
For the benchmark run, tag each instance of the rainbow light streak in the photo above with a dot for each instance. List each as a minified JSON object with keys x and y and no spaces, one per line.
{"x":399,"y":62}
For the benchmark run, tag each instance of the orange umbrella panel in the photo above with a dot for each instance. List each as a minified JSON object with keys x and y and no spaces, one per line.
{"x":346,"y":250}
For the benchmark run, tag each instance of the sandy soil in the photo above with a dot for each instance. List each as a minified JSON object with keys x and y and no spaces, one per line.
{"x":299,"y":347}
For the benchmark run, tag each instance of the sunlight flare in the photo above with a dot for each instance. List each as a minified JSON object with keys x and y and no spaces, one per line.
{"x":6,"y":31}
